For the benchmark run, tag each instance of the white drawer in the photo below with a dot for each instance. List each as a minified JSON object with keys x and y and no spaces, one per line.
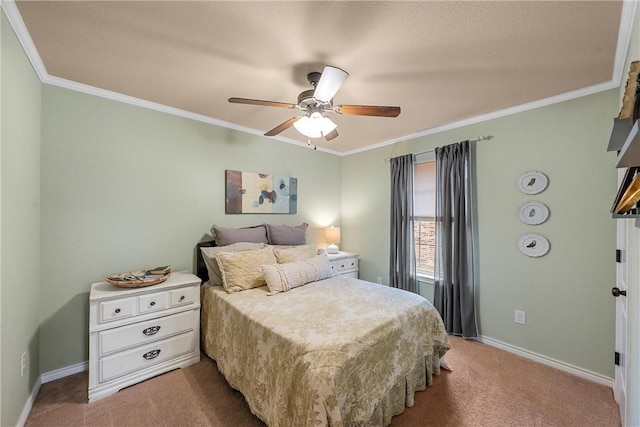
{"x":115,"y":310}
{"x":152,"y":302}
{"x":148,"y":355}
{"x":144,"y":332}
{"x":182,"y":296}
{"x":345,"y":264}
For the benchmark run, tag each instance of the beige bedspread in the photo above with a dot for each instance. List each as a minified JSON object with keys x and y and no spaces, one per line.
{"x":339,"y":352}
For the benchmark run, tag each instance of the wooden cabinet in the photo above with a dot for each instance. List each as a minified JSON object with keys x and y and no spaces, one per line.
{"x":135,"y":334}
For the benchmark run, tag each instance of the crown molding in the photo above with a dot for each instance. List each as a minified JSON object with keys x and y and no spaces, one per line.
{"x":494,"y":115}
{"x":624,"y":37}
{"x":115,"y":96}
{"x":19,"y":27}
{"x":625,"y":32}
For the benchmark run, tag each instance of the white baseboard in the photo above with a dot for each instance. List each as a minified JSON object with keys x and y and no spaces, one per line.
{"x":64,"y":372}
{"x":45,"y":378}
{"x":29,"y":405}
{"x":562,"y":366}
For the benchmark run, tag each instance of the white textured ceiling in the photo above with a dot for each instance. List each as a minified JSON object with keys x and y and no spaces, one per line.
{"x":441,"y":62}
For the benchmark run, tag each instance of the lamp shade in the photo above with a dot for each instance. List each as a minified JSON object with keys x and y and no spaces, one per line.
{"x":330,"y":81}
{"x":314,"y":125}
{"x":332,"y":235}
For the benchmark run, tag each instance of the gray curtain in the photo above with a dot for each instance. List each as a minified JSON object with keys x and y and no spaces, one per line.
{"x":402,"y":262}
{"x":454,"y":281}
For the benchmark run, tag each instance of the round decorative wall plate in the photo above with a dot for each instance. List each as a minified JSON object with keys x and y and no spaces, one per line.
{"x":532,"y":182}
{"x":533,"y":245}
{"x":533,"y":213}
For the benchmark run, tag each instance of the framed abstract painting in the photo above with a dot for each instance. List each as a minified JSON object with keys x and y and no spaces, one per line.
{"x":251,"y":193}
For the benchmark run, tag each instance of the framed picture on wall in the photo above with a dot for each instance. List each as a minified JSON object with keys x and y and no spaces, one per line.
{"x":251,"y":193}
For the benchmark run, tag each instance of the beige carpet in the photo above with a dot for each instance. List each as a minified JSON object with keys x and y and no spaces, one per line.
{"x":488,"y":387}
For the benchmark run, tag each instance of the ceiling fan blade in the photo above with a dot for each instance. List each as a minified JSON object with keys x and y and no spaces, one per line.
{"x":329,"y":83}
{"x":367,"y":110}
{"x":282,"y":127}
{"x":261,"y":102}
{"x":331,"y":135}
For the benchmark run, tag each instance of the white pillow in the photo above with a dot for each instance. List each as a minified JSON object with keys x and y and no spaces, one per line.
{"x":209,"y":257}
{"x":241,"y":270}
{"x":284,"y":277}
{"x":294,"y":253}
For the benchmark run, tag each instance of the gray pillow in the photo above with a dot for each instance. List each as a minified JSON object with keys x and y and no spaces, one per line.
{"x":287,"y":235}
{"x":227,"y":236}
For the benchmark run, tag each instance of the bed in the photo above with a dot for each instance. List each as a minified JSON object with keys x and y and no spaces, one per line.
{"x":337,"y":351}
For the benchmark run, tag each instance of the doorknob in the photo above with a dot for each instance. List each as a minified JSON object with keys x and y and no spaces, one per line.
{"x":617,"y":292}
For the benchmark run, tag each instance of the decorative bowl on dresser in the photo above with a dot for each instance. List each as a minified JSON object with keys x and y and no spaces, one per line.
{"x":135,"y":334}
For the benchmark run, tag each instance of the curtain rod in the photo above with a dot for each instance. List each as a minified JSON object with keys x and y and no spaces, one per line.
{"x":480,"y":138}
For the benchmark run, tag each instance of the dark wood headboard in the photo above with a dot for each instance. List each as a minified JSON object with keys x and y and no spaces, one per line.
{"x":201,"y":267}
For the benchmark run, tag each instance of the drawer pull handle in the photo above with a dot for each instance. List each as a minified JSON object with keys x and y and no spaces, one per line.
{"x":151,"y":331}
{"x":182,"y":298}
{"x":117,"y":310}
{"x":152,"y":303}
{"x":151,"y":354}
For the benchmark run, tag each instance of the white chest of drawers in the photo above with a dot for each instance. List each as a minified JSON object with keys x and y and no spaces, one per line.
{"x":344,"y":263}
{"x":135,"y":334}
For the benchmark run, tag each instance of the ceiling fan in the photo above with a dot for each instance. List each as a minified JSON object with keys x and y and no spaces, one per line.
{"x":318,"y":101}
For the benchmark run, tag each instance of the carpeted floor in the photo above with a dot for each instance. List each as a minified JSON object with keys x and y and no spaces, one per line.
{"x":488,"y":387}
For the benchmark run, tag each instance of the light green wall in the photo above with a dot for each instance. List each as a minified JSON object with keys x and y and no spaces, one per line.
{"x":122,"y":187}
{"x":565,"y":294}
{"x":126,"y":188}
{"x":20,"y":224}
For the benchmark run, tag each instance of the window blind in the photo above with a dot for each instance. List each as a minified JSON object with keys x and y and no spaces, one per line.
{"x":424,"y":189}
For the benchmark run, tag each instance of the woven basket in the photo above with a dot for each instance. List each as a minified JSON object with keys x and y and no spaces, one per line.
{"x":135,"y":283}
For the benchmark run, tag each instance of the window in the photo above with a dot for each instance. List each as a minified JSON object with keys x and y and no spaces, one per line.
{"x":424,"y":224}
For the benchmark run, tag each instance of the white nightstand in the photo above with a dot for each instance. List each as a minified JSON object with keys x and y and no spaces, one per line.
{"x":135,"y":334}
{"x":344,"y":263}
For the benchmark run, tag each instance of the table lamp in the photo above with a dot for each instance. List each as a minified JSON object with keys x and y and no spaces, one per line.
{"x":332,"y":235}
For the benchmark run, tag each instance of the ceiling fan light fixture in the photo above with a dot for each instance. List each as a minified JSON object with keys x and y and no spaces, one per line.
{"x":314,"y":125}
{"x":315,"y":102}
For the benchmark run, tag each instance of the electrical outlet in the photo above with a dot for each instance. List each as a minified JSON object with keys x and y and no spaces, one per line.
{"x":23,"y":364}
{"x":380,"y":280}
{"x":520,"y":317}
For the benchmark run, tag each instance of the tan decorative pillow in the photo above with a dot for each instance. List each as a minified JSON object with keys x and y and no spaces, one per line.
{"x":294,"y":253}
{"x":241,"y":270}
{"x":284,"y":277}
{"x":209,"y":257}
